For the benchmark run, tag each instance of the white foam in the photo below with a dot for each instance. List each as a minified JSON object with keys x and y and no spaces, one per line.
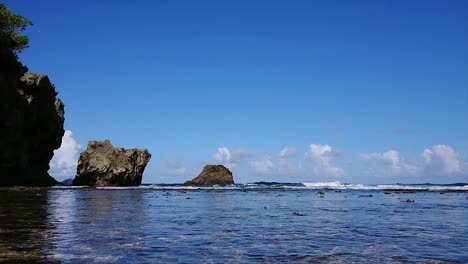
{"x":336,"y":185}
{"x":119,"y":188}
{"x":340,"y":185}
{"x":333,"y":184}
{"x":68,"y":187}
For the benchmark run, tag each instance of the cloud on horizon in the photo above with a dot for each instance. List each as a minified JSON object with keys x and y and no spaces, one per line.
{"x":320,"y":161}
{"x":282,"y":165}
{"x":440,"y":160}
{"x":65,"y":159}
{"x":443,"y":159}
{"x":264,"y":166}
{"x":231,"y":159}
{"x":322,"y":156}
{"x":287,"y":152}
{"x":389,"y":163}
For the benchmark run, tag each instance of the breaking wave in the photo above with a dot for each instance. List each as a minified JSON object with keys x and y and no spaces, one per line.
{"x":333,"y":185}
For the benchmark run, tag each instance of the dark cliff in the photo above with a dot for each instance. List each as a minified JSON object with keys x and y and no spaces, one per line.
{"x":31,"y":124}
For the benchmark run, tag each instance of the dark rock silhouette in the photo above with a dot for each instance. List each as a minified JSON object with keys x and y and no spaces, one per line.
{"x":103,"y":165}
{"x":67,"y":182}
{"x":31,"y":115}
{"x":31,"y":126}
{"x":211,"y":175}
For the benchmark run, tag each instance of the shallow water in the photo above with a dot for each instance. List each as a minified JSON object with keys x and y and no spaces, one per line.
{"x":223,"y":225}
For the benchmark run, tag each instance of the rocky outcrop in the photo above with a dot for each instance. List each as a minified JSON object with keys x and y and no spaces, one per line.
{"x":211,"y":175}
{"x":31,"y":115}
{"x":31,"y":127}
{"x":103,"y":165}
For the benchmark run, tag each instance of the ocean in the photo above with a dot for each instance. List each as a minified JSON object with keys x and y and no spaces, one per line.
{"x":246,"y":223}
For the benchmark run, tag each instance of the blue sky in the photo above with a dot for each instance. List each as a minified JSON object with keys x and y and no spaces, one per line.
{"x":293,"y":91}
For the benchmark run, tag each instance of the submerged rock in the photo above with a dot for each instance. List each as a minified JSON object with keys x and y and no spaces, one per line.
{"x":31,"y":122}
{"x":211,"y":175}
{"x":103,"y":165}
{"x":297,"y":214}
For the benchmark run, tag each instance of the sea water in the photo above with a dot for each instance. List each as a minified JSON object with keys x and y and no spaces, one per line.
{"x":252,"y":223}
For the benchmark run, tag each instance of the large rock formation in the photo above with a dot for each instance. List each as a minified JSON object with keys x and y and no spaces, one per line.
{"x":31,"y":115}
{"x":211,"y":175}
{"x":103,"y":165}
{"x":31,"y":127}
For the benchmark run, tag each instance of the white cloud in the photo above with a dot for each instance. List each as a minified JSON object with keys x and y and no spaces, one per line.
{"x":442,"y":158}
{"x":65,"y":159}
{"x":239,"y":154}
{"x":287,"y":167}
{"x":322,"y":156}
{"x":230,"y":159}
{"x":390,"y":163}
{"x":223,"y":155}
{"x":287,"y":152}
{"x":282,"y":165}
{"x":263,"y":166}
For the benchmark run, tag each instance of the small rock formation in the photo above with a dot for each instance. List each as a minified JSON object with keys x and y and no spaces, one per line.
{"x":67,"y":182}
{"x":211,"y":175}
{"x":103,"y":165}
{"x":31,"y":128}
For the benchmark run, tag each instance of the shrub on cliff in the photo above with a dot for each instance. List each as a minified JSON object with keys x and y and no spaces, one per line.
{"x":11,"y":27}
{"x":11,"y":42}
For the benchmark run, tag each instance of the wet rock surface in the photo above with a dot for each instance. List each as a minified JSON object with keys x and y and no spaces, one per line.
{"x":103,"y":165}
{"x":212,"y":175}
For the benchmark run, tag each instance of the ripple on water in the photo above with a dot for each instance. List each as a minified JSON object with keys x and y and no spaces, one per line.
{"x":86,"y":225}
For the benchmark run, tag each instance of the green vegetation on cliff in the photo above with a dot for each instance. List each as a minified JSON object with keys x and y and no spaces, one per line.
{"x":11,"y":27}
{"x":11,"y":42}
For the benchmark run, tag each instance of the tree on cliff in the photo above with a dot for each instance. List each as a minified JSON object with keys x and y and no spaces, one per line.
{"x":11,"y":42}
{"x":11,"y":27}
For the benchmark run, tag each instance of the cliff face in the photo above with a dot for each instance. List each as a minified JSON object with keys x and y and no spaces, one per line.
{"x":103,"y":165}
{"x":31,"y":125}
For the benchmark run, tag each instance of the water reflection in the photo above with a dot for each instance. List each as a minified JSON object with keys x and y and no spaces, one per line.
{"x":157,"y":226}
{"x":23,"y":225}
{"x":82,"y":219}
